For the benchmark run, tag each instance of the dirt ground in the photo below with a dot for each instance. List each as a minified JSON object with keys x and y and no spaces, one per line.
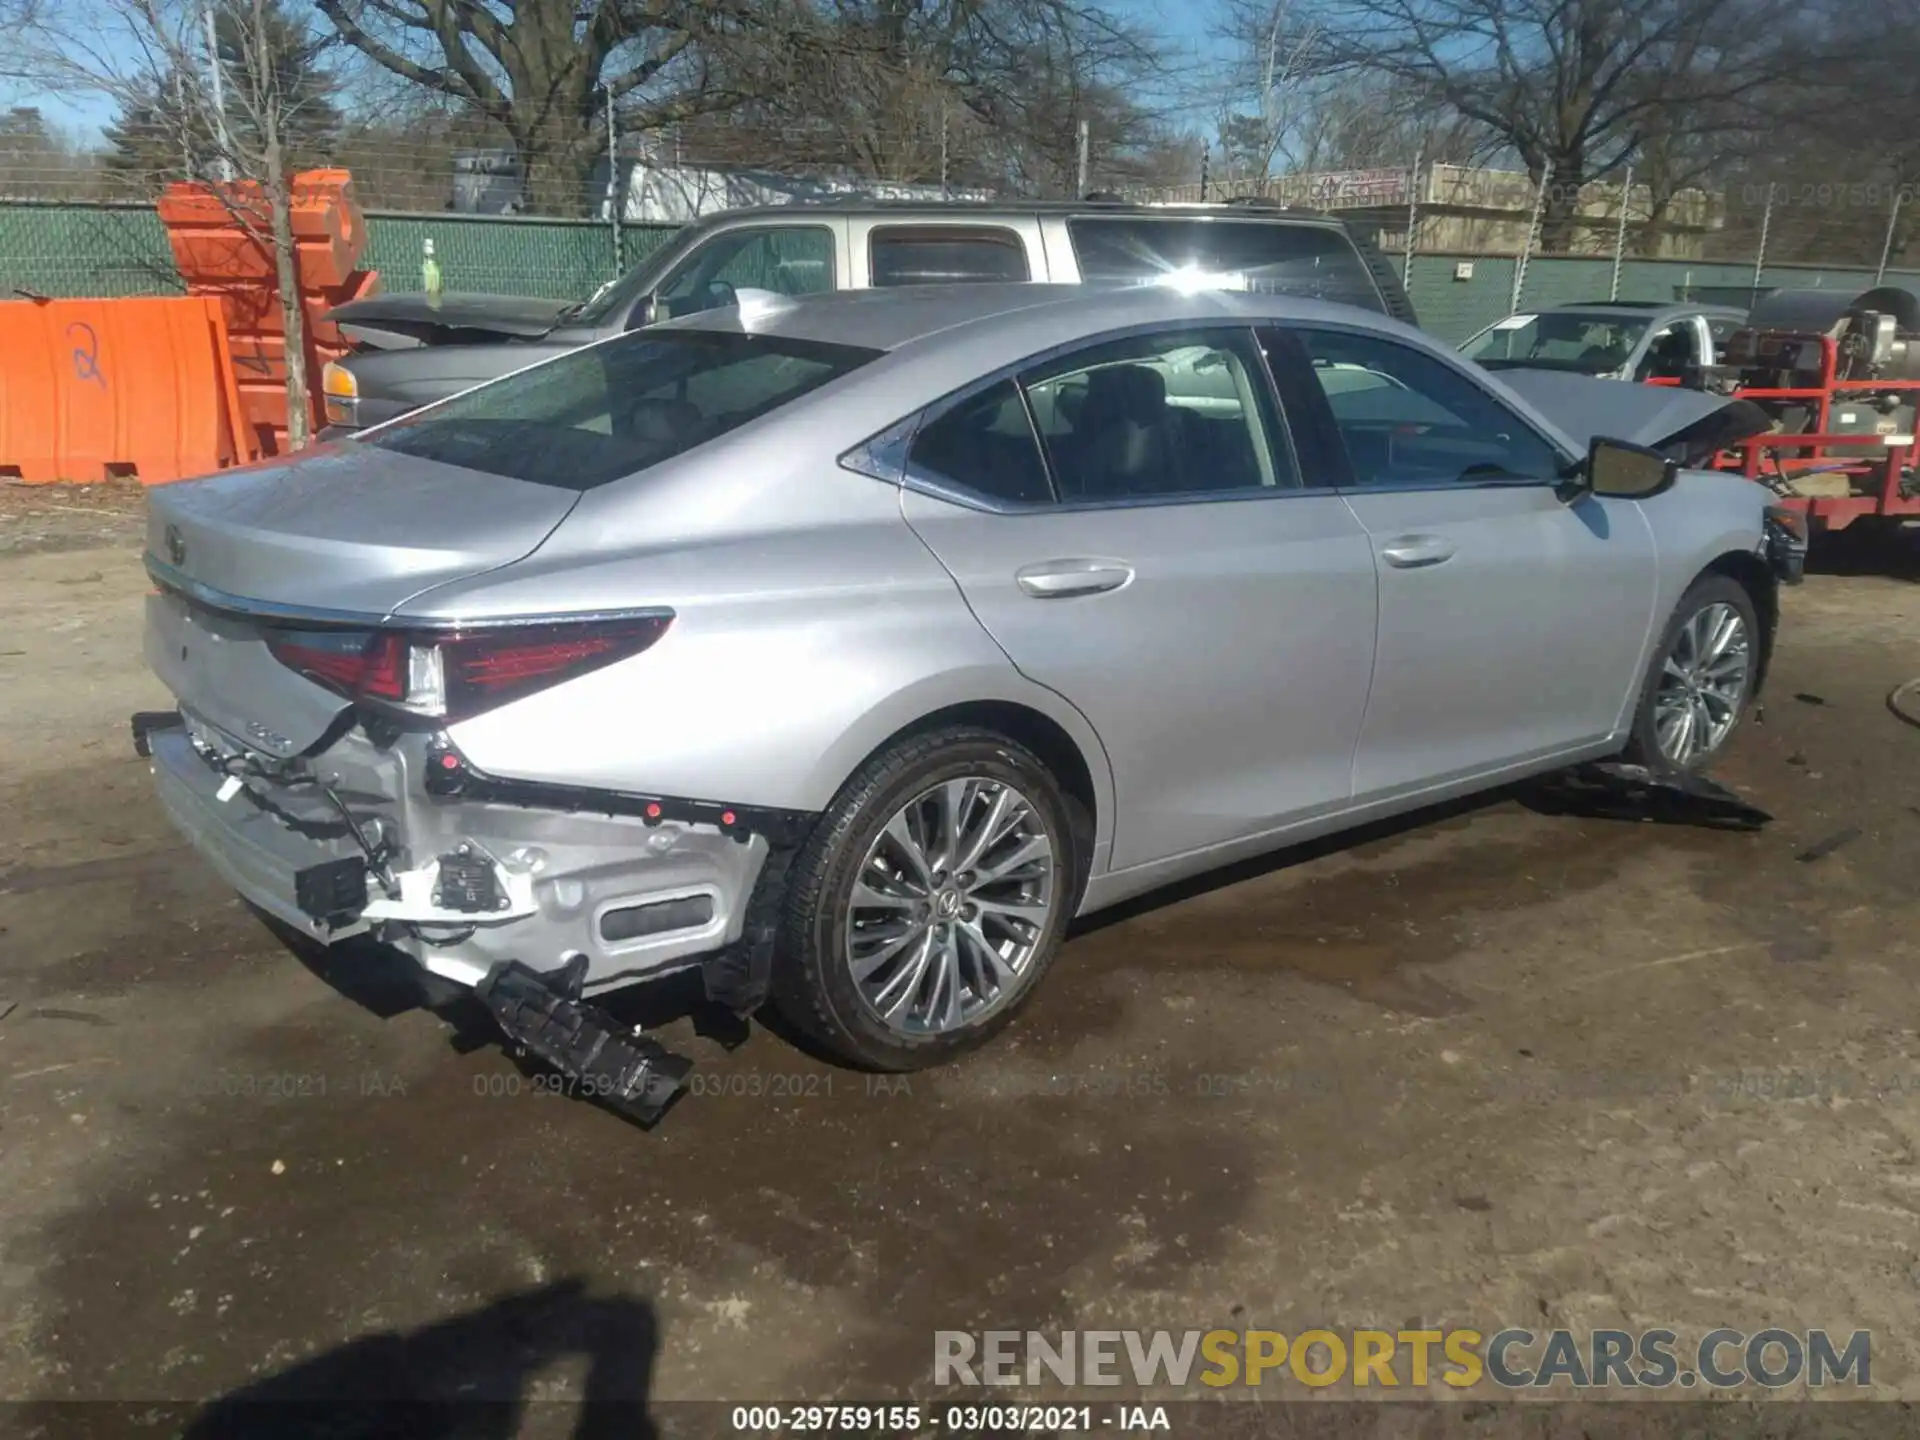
{"x":1497,"y":1066}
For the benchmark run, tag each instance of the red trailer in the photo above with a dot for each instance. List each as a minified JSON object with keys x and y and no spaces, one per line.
{"x":1839,"y":373}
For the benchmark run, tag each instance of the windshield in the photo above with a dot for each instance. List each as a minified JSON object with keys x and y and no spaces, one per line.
{"x":609,"y":410}
{"x":1587,"y":344}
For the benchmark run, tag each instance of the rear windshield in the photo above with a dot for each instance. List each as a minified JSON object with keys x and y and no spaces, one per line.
{"x":609,"y":410}
{"x":1314,"y":261}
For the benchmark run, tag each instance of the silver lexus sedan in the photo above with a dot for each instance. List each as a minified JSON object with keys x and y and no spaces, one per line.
{"x":849,"y":648}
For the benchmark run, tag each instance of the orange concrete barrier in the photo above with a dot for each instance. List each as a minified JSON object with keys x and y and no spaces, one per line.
{"x":93,"y":389}
{"x":218,"y":239}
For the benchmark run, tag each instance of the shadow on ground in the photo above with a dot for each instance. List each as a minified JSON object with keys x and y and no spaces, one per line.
{"x":471,"y":1377}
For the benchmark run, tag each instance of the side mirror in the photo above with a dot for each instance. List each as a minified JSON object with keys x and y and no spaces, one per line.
{"x":653,"y":310}
{"x":1621,"y":471}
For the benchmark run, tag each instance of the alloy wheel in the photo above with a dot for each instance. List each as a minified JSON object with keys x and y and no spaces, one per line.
{"x":1703,"y":683}
{"x":950,"y":905}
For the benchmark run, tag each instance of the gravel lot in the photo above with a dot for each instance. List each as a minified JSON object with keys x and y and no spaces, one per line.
{"x":1493,"y":1066}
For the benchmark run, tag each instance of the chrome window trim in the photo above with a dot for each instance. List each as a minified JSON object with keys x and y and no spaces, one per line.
{"x":176,"y":582}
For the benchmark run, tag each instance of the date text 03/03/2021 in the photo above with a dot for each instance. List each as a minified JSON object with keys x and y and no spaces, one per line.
{"x":904,"y":1420}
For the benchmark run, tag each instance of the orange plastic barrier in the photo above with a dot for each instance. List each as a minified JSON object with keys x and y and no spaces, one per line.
{"x":218,"y":239}
{"x":92,"y":389}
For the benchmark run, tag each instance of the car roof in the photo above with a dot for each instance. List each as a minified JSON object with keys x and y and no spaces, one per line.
{"x":985,"y":209}
{"x":1639,"y":308}
{"x":1021,"y":313}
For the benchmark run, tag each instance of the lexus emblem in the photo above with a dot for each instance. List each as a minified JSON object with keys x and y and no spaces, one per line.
{"x":176,"y":546}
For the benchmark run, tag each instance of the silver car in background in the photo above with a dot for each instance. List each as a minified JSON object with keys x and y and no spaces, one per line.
{"x":849,"y":647}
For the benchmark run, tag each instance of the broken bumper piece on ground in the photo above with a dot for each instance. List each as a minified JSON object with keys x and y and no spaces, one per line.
{"x":606,"y":1062}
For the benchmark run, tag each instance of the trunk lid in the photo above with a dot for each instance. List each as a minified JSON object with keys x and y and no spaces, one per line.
{"x":344,"y":531}
{"x":388,"y":322}
{"x":346,"y":527}
{"x":219,"y":668}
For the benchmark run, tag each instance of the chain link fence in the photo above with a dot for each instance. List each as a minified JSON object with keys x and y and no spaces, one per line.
{"x":112,"y":248}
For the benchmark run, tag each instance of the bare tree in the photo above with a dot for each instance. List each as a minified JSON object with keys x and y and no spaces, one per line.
{"x":1267,"y":85}
{"x":544,"y":70}
{"x":1367,"y":123}
{"x":1570,"y":86}
{"x":235,"y":116}
{"x":16,"y":16}
{"x":986,"y":92}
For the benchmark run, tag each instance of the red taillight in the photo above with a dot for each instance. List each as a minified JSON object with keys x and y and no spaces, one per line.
{"x":354,"y":662}
{"x":484,"y":668}
{"x":487,"y":664}
{"x":454,"y":675}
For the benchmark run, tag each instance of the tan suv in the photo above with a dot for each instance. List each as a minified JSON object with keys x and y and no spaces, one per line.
{"x":414,"y":351}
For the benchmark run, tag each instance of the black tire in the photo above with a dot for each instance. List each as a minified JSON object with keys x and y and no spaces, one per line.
{"x":813,"y":987}
{"x":1643,"y":746}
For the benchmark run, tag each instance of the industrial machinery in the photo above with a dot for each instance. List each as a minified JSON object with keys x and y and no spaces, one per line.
{"x":1839,"y":373}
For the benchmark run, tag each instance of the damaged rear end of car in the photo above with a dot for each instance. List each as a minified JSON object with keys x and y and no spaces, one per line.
{"x":328,"y":629}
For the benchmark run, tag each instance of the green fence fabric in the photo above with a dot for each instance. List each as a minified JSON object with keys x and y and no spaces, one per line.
{"x":75,"y":251}
{"x":552,"y":259}
{"x":121,"y":249}
{"x":109,"y":250}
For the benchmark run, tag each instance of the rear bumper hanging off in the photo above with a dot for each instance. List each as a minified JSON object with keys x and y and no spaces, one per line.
{"x":618,"y":1067}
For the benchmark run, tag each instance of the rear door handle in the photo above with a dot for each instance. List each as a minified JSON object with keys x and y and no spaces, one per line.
{"x":1060,"y":579}
{"x":1410,"y":552}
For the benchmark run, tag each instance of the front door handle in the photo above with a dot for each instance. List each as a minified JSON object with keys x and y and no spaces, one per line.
{"x":1059,"y":579}
{"x":1410,"y":552}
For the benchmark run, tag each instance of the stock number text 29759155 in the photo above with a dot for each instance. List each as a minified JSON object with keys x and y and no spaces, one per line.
{"x":828,"y":1419}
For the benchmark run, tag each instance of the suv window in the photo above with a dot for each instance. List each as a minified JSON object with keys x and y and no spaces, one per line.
{"x":1180,"y":413}
{"x":1269,"y":257}
{"x":1406,"y":418}
{"x":985,"y":444}
{"x":609,"y":410}
{"x":785,"y":259}
{"x":945,"y":255}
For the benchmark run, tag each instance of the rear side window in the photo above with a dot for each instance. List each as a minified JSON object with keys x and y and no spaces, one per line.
{"x":609,"y":410}
{"x":943,"y":255}
{"x":1314,"y":261}
{"x":985,"y":445}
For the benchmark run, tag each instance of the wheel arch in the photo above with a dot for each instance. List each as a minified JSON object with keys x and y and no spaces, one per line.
{"x":1057,"y":734}
{"x":1754,"y":575}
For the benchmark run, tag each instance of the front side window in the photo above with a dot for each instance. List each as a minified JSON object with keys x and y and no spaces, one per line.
{"x":609,"y":410}
{"x":1266,"y":257}
{"x":1157,"y":416}
{"x":778,"y":259}
{"x":945,"y":255}
{"x":1406,"y":418}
